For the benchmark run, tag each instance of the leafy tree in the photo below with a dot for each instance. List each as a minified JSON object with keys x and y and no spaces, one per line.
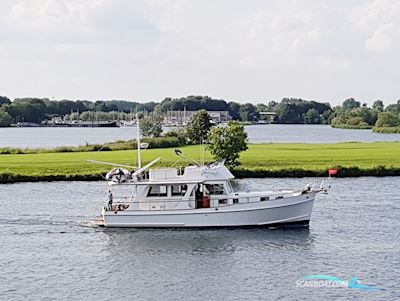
{"x":151,"y":126}
{"x":378,"y":105}
{"x":194,"y":103}
{"x":261,"y":107}
{"x":394,"y":108}
{"x":104,"y":106}
{"x":32,"y":100}
{"x":387,"y":119}
{"x":369,"y":116}
{"x":124,"y":106}
{"x":4,"y":100}
{"x":228,"y":142}
{"x":326,"y":116}
{"x":357,"y":117}
{"x":233,"y":109}
{"x":293,"y":110}
{"x":64,"y":107}
{"x":199,"y":127}
{"x":272,"y":106}
{"x":312,"y":117}
{"x":5,"y":118}
{"x":26,"y":111}
{"x":248,"y":112}
{"x":351,"y":103}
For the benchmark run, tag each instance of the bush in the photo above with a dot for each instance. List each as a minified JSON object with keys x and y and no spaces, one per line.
{"x":98,"y":148}
{"x":180,"y":134}
{"x":5,"y":118}
{"x":387,"y":119}
{"x":354,"y":121}
{"x":63,"y":149}
{"x":162,"y":142}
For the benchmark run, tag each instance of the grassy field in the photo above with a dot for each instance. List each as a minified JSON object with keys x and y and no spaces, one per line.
{"x":259,"y":160}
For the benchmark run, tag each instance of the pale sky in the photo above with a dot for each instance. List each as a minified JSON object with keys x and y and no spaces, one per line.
{"x":246,"y":51}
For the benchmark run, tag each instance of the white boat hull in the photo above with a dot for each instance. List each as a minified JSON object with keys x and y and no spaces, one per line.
{"x":288,"y":210}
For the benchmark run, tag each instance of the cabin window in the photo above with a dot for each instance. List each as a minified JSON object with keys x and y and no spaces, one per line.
{"x":159,"y":190}
{"x":264,"y":199}
{"x":216,"y":189}
{"x":235,"y":201}
{"x":222,"y":202}
{"x":178,"y":190}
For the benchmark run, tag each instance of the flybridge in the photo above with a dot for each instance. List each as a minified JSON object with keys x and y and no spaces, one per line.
{"x":216,"y":171}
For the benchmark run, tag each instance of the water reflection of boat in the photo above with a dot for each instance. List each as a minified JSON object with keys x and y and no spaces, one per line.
{"x":204,"y":240}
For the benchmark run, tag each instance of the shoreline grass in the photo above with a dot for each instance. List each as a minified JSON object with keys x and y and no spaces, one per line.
{"x":261,"y":160}
{"x":161,"y":142}
{"x":387,"y":130}
{"x":345,"y":126}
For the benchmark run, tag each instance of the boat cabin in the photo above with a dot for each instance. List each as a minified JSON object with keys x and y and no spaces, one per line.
{"x":168,"y":189}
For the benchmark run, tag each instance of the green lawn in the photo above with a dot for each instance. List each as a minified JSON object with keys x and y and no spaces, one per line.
{"x":314,"y":157}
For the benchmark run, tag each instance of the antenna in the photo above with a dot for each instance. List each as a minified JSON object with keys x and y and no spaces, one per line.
{"x":138,"y":142}
{"x":202,"y":151}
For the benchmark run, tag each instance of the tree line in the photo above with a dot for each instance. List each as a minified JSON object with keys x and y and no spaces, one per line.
{"x":351,"y":114}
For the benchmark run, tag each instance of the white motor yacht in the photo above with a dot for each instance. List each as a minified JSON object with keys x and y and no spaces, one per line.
{"x":202,"y":197}
{"x":199,"y":196}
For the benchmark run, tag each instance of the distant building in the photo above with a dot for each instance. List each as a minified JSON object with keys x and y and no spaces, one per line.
{"x":219,"y":116}
{"x":184,"y":117}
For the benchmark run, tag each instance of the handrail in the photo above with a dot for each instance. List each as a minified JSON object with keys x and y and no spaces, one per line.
{"x":115,"y":201}
{"x":162,"y":204}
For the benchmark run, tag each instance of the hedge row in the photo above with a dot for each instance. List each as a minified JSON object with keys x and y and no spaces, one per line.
{"x":380,"y":171}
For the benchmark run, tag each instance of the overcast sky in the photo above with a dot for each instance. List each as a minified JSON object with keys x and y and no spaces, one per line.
{"x":246,"y":51}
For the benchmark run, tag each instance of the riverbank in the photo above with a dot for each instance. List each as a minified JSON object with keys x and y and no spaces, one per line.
{"x":387,"y":130}
{"x":261,"y":160}
{"x":345,"y":126}
{"x":161,"y":142}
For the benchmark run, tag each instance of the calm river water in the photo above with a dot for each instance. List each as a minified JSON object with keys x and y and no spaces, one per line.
{"x":47,"y":252}
{"x":52,"y":137}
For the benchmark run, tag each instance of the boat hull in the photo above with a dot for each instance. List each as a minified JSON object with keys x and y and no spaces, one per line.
{"x":285,"y":211}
